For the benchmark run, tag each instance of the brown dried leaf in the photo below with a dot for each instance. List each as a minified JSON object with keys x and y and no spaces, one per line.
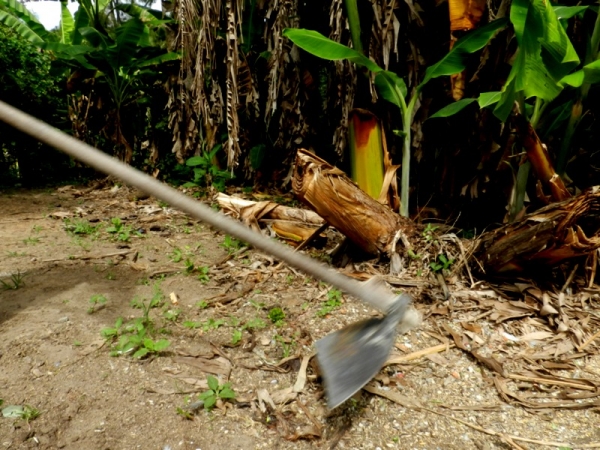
{"x":216,"y":366}
{"x":490,"y":362}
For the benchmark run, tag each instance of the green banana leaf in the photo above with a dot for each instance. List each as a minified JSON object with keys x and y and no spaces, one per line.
{"x":545,"y":55}
{"x":94,"y":37}
{"x":165,"y":57}
{"x":485,"y":99}
{"x":566,"y":12}
{"x":15,"y":16}
{"x":82,"y":20}
{"x":391,"y":87}
{"x":317,"y":44}
{"x":128,"y":39}
{"x":454,"y":61}
{"x":67,"y":24}
{"x":589,"y":73}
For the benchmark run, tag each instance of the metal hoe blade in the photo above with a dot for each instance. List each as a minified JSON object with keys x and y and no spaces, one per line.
{"x":355,"y":343}
{"x":350,"y":357}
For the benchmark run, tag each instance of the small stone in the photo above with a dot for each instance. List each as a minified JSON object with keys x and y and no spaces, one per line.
{"x":63,"y":319}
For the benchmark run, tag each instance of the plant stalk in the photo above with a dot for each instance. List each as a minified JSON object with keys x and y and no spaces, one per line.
{"x":407,"y":112}
{"x":354,"y":23}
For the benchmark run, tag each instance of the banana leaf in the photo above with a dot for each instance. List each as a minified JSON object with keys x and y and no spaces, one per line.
{"x":15,"y":16}
{"x":454,"y":61}
{"x":545,"y":55}
{"x":67,"y":24}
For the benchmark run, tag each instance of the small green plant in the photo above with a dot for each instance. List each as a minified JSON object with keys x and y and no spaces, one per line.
{"x":146,"y":305}
{"x":30,"y":413}
{"x":112,"y":332}
{"x":257,"y":305}
{"x":442,"y":263}
{"x":413,"y":255}
{"x":97,"y":302}
{"x":276,"y":315}
{"x":172,"y":314}
{"x":139,"y":344}
{"x":189,"y":265}
{"x":80,"y":227}
{"x":212,"y":324}
{"x":36,"y":229}
{"x":428,"y":233}
{"x":255,"y":324}
{"x":334,"y":300}
{"x":14,"y":254}
{"x":286,"y":345}
{"x":203,"y":274}
{"x":216,"y":391}
{"x":31,"y":241}
{"x":192,"y":324}
{"x":133,"y":338}
{"x":176,"y":255}
{"x":206,"y":170}
{"x":231,"y":244}
{"x":202,"y":304}
{"x":121,"y":232}
{"x":15,"y":281}
{"x":236,"y":337}
{"x":185,"y":413}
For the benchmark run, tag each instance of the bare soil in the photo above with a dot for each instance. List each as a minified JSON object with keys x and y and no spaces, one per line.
{"x":54,"y":358}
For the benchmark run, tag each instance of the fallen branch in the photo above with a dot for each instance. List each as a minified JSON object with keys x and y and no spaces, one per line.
{"x":88,"y":257}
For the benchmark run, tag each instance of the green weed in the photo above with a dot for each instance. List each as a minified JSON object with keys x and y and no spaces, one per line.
{"x":231,"y":244}
{"x":80,"y":227}
{"x":276,"y":315}
{"x":121,"y":232}
{"x":15,"y":281}
{"x":206,"y":170}
{"x":97,"y":302}
{"x":203,"y":274}
{"x":236,"y":337}
{"x":216,"y":391}
{"x":442,"y":263}
{"x":334,"y":301}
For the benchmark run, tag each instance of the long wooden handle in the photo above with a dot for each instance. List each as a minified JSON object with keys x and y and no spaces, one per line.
{"x":369,"y":293}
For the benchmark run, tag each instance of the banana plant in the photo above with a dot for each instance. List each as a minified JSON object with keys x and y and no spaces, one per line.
{"x":541,"y":70}
{"x":15,"y":16}
{"x":389,"y":85}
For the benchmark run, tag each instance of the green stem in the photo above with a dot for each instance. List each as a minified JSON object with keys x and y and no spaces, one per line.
{"x":595,"y":42}
{"x":538,"y":109}
{"x":354,"y":23}
{"x":407,"y":112}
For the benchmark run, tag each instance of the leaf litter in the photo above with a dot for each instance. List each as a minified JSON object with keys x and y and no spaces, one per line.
{"x":487,"y":353}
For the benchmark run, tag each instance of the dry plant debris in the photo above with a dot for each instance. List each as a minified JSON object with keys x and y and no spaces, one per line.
{"x":494,"y":364}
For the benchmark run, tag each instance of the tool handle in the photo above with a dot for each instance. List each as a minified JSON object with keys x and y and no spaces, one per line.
{"x":379,"y":299}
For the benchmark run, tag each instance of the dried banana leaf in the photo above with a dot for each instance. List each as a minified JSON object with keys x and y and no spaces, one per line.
{"x":366,"y":222}
{"x":551,"y":235}
{"x":293,"y":224}
{"x":248,"y":210}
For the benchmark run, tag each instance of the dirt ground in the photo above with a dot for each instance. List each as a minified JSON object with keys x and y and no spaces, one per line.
{"x":214,"y":303}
